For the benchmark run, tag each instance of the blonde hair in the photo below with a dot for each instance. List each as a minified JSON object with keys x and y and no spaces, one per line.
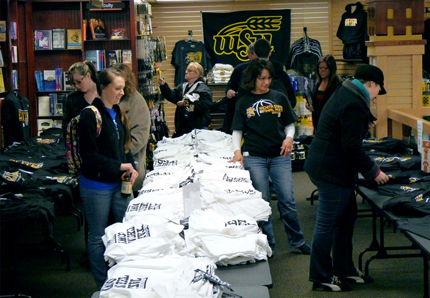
{"x":195,"y":66}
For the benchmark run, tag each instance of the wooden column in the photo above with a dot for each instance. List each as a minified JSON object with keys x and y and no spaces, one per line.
{"x":396,"y":46}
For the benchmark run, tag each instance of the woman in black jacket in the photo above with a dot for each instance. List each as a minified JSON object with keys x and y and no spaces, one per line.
{"x":334,"y":160}
{"x":193,"y":101}
{"x":82,"y":76}
{"x":106,"y":159}
{"x":327,"y":82}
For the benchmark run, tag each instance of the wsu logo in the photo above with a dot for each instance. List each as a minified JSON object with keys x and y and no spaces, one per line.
{"x":235,"y":38}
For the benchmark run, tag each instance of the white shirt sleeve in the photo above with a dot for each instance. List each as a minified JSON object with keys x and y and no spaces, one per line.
{"x":237,"y":139}
{"x":290,"y":130}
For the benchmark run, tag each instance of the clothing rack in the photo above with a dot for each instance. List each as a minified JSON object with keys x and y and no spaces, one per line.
{"x":307,"y":43}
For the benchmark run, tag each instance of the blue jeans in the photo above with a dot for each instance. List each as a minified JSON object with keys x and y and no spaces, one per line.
{"x":98,"y":204}
{"x":280,"y":172}
{"x":331,"y":252}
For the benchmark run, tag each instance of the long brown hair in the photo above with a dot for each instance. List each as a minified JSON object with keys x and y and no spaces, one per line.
{"x":331,"y":65}
{"x":105,"y":78}
{"x":129,"y":77}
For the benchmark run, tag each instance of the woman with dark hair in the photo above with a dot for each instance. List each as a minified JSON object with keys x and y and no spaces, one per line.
{"x":327,"y":82}
{"x":83,"y":76}
{"x":106,"y":160}
{"x":265,"y":120}
{"x":136,"y":108}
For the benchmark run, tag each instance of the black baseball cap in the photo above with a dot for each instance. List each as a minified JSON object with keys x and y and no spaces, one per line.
{"x":371,"y":73}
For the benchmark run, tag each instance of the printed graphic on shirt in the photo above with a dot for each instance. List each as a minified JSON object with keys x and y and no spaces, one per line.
{"x":263,"y":106}
{"x":351,"y":22}
{"x":193,"y":57}
{"x":23,"y":116}
{"x":125,"y":282}
{"x":132,"y":234}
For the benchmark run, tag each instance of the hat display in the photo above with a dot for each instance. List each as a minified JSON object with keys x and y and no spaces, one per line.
{"x":371,"y":73}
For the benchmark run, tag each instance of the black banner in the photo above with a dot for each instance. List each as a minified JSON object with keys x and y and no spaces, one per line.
{"x":227,"y":35}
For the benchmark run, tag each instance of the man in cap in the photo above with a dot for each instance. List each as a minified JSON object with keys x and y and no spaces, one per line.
{"x":333,"y":163}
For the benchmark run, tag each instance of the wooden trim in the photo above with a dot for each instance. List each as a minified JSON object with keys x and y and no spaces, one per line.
{"x":396,"y":43}
{"x":407,"y":119}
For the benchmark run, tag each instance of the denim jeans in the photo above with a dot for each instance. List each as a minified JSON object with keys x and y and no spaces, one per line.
{"x":98,"y":204}
{"x":280,"y":172}
{"x":331,"y":252}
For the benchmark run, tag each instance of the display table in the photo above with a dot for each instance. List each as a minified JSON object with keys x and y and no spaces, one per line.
{"x":253,"y":274}
{"x":420,"y":246}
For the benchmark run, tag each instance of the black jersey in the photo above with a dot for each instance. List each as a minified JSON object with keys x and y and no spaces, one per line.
{"x":262,"y":119}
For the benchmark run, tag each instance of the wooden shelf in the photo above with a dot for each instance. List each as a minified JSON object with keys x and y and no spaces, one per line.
{"x":68,"y":14}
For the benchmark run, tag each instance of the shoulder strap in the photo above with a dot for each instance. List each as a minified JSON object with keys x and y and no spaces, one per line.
{"x":98,"y":118}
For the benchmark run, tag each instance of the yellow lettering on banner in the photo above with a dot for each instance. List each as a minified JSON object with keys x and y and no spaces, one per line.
{"x":235,"y":38}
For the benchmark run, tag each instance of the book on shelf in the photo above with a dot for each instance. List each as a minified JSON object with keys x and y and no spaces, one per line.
{"x":59,"y":39}
{"x":49,"y":80}
{"x":43,"y":39}
{"x":74,"y":39}
{"x":66,"y":81}
{"x":2,"y":87}
{"x":127,"y":57}
{"x":97,"y":57}
{"x":13,"y":35}
{"x":58,"y":79}
{"x":97,"y":28}
{"x":43,"y":106}
{"x":52,"y":101}
{"x":111,"y":58}
{"x":1,"y":58}
{"x":14,"y":54}
{"x":84,"y":29}
{"x":59,"y":103}
{"x":15,"y":84}
{"x":56,"y":101}
{"x":38,"y":75}
{"x":118,"y":33}
{"x":2,"y":30}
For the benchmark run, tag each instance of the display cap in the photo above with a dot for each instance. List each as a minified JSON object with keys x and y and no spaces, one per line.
{"x":371,"y":73}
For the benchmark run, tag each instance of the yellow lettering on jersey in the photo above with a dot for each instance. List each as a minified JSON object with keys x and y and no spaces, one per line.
{"x":351,"y":22}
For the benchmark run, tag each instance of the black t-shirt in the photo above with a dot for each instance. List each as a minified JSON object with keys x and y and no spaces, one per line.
{"x":187,"y":51}
{"x":262,"y":119}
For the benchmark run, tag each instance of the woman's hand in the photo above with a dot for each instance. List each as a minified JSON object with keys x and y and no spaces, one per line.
{"x":237,"y":157}
{"x":310,"y":108}
{"x":372,"y":124}
{"x":382,"y":178}
{"x":161,"y":82}
{"x":231,"y":93}
{"x":181,"y":103}
{"x":129,"y":171}
{"x":287,"y":146}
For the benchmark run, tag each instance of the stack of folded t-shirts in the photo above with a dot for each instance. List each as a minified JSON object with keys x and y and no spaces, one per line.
{"x":222,"y":72}
{"x":151,"y":229}
{"x":171,"y":276}
{"x":226,"y":240}
{"x":142,"y":237}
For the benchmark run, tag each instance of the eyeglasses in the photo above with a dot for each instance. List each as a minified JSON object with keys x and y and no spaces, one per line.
{"x":265,"y":79}
{"x":322,"y":68}
{"x":78,"y":82}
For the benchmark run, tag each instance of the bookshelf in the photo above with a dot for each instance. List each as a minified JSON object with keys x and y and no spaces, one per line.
{"x":67,"y":14}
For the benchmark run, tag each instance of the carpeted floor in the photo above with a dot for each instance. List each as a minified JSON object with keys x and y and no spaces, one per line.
{"x":41,"y":274}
